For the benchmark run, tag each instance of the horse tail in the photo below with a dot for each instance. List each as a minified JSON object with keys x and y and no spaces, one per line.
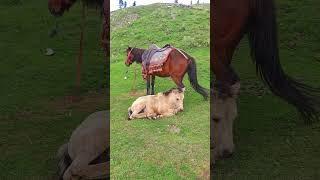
{"x":192,"y":73}
{"x":64,"y":160}
{"x":263,"y":42}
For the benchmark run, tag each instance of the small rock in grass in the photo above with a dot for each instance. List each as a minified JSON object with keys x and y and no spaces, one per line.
{"x":174,"y":129}
{"x":49,"y":52}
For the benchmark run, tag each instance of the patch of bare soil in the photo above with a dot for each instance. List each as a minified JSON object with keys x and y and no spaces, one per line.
{"x":89,"y":102}
{"x":205,"y":174}
{"x":174,"y":129}
{"x":136,"y":93}
{"x":118,"y":21}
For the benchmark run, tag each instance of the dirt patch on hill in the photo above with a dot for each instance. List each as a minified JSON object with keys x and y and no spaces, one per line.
{"x":122,"y":20}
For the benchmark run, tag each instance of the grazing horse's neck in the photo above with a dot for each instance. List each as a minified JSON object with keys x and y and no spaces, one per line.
{"x":137,"y":52}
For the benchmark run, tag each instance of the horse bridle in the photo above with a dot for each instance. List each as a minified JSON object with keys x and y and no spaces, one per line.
{"x":129,"y":59}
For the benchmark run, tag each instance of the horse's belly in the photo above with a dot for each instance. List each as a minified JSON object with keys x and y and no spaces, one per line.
{"x":161,"y":74}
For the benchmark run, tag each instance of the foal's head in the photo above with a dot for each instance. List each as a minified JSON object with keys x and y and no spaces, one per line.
{"x":175,"y":97}
{"x":58,"y":7}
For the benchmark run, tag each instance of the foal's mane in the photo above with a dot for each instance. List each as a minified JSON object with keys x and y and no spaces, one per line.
{"x":166,"y":93}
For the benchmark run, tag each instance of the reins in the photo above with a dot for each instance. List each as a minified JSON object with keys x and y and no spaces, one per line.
{"x":130,"y":61}
{"x":133,"y":86}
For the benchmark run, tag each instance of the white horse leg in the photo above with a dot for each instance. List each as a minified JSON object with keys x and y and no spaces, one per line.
{"x":95,"y":171}
{"x":137,"y":112}
{"x":167,"y":114}
{"x":136,"y":115}
{"x":73,"y":171}
{"x":82,"y":169}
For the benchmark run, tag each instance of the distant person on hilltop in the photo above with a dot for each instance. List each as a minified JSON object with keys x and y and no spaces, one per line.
{"x":134,"y":3}
{"x":120,"y":4}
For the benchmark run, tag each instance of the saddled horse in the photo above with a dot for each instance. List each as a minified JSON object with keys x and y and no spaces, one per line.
{"x":175,"y":64}
{"x":232,"y":19}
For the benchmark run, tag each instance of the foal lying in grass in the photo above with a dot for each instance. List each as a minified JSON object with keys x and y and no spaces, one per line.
{"x":155,"y":106}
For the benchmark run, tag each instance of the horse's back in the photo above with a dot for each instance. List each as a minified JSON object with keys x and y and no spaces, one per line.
{"x":92,"y":134}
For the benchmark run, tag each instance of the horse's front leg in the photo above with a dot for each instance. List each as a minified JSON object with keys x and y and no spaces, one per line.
{"x":148,"y":85}
{"x":168,"y":114}
{"x":152,"y":84}
{"x":95,"y":171}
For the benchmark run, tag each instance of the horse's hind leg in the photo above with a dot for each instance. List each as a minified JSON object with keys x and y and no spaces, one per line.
{"x":178,"y":81}
{"x":152,"y":84}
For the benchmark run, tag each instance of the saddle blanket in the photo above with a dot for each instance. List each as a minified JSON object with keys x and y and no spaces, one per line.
{"x":153,"y":59}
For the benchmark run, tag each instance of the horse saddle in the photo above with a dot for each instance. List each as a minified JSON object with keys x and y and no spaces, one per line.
{"x":154,"y":58}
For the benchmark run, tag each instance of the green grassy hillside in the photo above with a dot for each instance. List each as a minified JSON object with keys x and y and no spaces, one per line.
{"x":146,"y":148}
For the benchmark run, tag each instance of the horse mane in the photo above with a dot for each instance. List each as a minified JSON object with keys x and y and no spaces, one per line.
{"x":137,"y":52}
{"x":166,"y":93}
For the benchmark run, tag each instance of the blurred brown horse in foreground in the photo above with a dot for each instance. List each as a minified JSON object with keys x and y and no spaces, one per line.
{"x":232,"y":19}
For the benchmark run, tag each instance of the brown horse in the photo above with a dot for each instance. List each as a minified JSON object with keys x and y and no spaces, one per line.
{"x":177,"y":64}
{"x":232,"y":19}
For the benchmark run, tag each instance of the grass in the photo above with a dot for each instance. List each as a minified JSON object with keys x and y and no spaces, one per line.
{"x":271,"y":140}
{"x":35,"y":115}
{"x":146,"y":148}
